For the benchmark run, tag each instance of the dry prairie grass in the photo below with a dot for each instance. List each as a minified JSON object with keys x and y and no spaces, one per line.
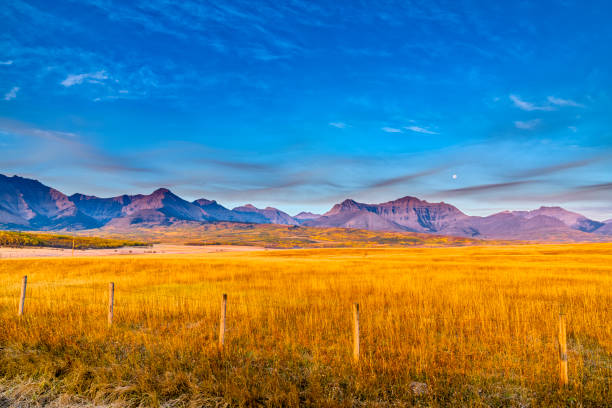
{"x":476,"y":324}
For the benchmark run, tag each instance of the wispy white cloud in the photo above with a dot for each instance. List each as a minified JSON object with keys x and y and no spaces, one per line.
{"x":90,"y":77}
{"x":419,"y":129}
{"x":573,"y":128}
{"x":12,"y":94}
{"x":527,"y":124}
{"x":8,"y":62}
{"x":391,"y":130}
{"x":528,"y":106}
{"x":339,"y":125}
{"x":564,"y":102}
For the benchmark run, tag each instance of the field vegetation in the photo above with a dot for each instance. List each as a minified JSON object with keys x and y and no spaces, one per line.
{"x":30,"y":239}
{"x":445,"y":327}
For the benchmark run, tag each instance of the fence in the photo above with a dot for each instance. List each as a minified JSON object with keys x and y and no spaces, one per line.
{"x":561,"y":335}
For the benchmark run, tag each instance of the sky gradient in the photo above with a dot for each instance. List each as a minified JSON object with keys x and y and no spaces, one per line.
{"x":300,"y":104}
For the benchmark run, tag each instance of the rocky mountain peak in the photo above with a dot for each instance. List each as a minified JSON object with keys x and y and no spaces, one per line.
{"x":162,"y":192}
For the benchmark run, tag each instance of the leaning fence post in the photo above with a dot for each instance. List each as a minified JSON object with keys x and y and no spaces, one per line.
{"x":111,"y":302}
{"x":563,"y":377}
{"x":222,"y":322}
{"x":356,"y":332}
{"x":24,"y":282}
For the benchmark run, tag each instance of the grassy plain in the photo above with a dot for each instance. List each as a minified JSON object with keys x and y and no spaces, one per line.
{"x":477,"y":325}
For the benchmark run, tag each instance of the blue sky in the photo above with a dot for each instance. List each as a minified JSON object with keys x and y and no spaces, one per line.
{"x":300,"y":104}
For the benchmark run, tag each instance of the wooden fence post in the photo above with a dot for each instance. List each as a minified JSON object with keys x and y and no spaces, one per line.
{"x":563,"y":377}
{"x":24,"y":282}
{"x":222,"y":322}
{"x":356,"y":332}
{"x":111,"y":302}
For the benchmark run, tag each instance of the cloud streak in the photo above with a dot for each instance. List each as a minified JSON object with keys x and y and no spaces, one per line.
{"x":238,"y":165}
{"x":419,"y":129}
{"x":543,"y":171}
{"x":528,"y":106}
{"x":91,"y":77}
{"x":391,"y":130}
{"x":593,"y":188}
{"x":527,"y":124}
{"x":484,"y":188}
{"x":553,"y":102}
{"x":592,"y":193}
{"x":52,"y":147}
{"x":404,"y":178}
{"x":564,"y":102}
{"x":12,"y":94}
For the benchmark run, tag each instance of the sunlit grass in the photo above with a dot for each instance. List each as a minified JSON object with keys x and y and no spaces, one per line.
{"x":476,"y":324}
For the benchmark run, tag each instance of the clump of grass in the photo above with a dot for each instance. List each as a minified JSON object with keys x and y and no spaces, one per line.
{"x":475,"y":325}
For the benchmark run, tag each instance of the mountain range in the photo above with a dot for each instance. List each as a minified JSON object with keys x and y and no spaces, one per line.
{"x":27,"y":204}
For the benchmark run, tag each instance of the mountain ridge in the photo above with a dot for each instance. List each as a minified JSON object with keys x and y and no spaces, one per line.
{"x":30,"y":205}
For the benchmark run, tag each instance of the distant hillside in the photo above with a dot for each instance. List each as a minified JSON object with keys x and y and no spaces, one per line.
{"x":280,"y":236}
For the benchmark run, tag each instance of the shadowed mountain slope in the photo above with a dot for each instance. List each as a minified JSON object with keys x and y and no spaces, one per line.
{"x":26,"y":203}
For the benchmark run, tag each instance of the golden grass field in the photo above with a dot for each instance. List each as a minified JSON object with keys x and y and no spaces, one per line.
{"x":477,"y":325}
